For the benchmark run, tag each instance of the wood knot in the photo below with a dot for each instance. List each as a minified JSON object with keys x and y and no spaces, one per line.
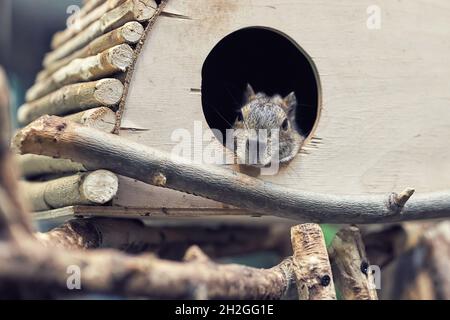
{"x":159,"y":180}
{"x":397,"y":201}
{"x":325,"y":280}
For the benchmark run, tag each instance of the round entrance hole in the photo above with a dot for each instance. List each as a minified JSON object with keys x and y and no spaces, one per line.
{"x":270,"y":62}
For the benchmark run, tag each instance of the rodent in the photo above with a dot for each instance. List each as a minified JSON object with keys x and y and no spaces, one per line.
{"x":260,"y":111}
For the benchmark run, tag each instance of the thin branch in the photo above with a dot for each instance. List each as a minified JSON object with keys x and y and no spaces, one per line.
{"x":57,"y":137}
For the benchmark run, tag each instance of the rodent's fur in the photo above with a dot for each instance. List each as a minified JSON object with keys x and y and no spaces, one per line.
{"x":263,"y":112}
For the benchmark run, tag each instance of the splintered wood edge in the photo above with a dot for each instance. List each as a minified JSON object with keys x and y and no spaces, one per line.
{"x":137,"y":51}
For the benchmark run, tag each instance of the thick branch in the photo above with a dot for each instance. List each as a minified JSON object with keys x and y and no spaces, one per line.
{"x":139,"y":276}
{"x":311,"y":265}
{"x":351,"y":267}
{"x":57,"y":137}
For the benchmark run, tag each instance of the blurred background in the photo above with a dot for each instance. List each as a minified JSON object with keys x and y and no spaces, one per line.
{"x":26,"y":28}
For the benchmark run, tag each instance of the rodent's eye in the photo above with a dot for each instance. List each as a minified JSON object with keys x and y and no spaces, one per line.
{"x":285,"y":125}
{"x":240,"y":117}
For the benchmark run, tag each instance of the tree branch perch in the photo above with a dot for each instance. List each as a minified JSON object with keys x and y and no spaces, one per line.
{"x":58,"y":137}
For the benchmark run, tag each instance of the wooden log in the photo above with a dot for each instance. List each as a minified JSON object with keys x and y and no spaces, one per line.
{"x":81,"y":22}
{"x":132,"y":10}
{"x":73,"y":98}
{"x":96,"y":187}
{"x":102,"y":118}
{"x":104,"y":64}
{"x":55,"y":136}
{"x":437,"y":244}
{"x":32,"y":166}
{"x":351,"y":267}
{"x":129,"y":33}
{"x":312,"y":267}
{"x":167,"y":241}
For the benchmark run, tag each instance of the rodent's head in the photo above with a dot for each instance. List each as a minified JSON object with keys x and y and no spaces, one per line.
{"x":274,"y":114}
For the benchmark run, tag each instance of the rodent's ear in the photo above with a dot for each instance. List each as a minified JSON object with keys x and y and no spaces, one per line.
{"x":249,"y":93}
{"x":291,"y":104}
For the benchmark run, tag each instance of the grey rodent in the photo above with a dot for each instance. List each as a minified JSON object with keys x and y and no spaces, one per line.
{"x":263,"y":112}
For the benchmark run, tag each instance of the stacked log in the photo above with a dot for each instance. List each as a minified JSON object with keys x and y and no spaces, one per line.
{"x":83,"y":79}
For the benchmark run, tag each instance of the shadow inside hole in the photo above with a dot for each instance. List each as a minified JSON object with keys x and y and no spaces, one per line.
{"x":271,"y":62}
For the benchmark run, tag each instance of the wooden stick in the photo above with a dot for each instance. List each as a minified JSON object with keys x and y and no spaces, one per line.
{"x":32,"y":166}
{"x":170,"y":242}
{"x":104,"y":64}
{"x":73,"y":98}
{"x":81,"y":22}
{"x":102,"y":118}
{"x":129,"y":33}
{"x":311,"y":265}
{"x":138,"y":10}
{"x":351,"y":266}
{"x":96,"y":187}
{"x":55,"y":136}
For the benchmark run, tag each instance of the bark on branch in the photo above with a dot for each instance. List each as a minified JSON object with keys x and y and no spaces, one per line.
{"x":311,"y":264}
{"x":107,"y":63}
{"x":140,"y":276}
{"x":73,"y":98}
{"x":58,"y":137}
{"x":351,"y":266}
{"x":129,"y":33}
